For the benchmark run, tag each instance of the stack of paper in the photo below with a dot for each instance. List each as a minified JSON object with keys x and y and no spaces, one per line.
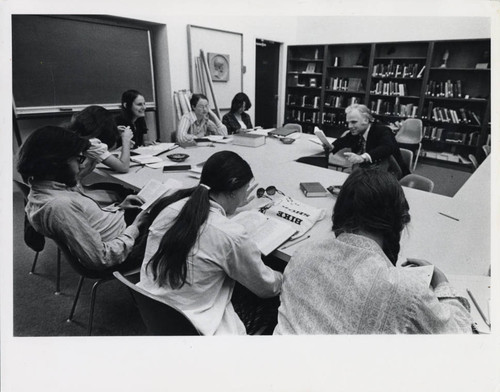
{"x":154,"y":149}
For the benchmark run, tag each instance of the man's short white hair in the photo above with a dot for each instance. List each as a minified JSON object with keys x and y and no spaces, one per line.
{"x":362,"y":109}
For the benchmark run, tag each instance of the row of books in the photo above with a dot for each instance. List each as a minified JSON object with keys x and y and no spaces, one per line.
{"x":337,"y":119}
{"x":445,"y":156}
{"x":443,"y":135}
{"x":381,"y":106}
{"x":303,"y":100}
{"x":398,"y":70}
{"x":390,"y":88}
{"x":303,"y":116}
{"x":446,"y":89}
{"x":460,"y":116}
{"x":340,"y":101}
{"x":294,"y":81}
{"x":345,"y":84}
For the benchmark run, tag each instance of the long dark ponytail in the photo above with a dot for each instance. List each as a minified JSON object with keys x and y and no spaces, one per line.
{"x":224,"y":172}
{"x":372,"y":200}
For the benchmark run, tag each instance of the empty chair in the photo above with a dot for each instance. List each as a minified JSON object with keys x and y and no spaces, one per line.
{"x":474,"y":162}
{"x":417,"y":182}
{"x":487,"y":149}
{"x":296,"y":127}
{"x":410,"y":134}
{"x":35,"y":240}
{"x":407,"y":156}
{"x":159,"y":318}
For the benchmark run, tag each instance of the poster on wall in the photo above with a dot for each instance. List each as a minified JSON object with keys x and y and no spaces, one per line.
{"x":224,"y":58}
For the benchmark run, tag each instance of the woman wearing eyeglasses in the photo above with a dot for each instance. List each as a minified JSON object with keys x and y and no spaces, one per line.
{"x":195,"y":254}
{"x":237,"y":118}
{"x":349,"y":283}
{"x":201,"y":121}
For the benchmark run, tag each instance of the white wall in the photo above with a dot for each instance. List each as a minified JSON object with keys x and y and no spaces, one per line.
{"x":350,"y":29}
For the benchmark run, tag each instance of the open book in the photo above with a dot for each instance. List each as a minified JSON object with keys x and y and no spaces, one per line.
{"x":155,"y":189}
{"x":154,"y":149}
{"x":267,"y":232}
{"x":321,"y":136}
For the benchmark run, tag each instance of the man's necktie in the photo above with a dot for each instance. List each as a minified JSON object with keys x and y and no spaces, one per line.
{"x":361,"y":145}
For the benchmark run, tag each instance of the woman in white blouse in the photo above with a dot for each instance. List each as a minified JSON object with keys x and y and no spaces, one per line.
{"x":195,"y":254}
{"x":200,"y":122}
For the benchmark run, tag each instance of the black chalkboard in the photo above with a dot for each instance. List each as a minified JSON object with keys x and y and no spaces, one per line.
{"x":60,"y":61}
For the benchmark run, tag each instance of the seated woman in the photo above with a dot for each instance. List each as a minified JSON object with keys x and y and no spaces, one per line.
{"x":97,"y":125}
{"x":194,"y":253}
{"x":200,"y":122}
{"x":237,"y":118}
{"x":133,"y":116}
{"x":349,"y":283}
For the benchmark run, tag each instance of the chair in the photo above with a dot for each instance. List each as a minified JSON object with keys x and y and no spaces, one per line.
{"x":296,"y":127}
{"x":487,"y":149}
{"x":417,"y":182}
{"x":474,"y":161}
{"x":407,"y":156}
{"x":35,"y":240}
{"x":159,"y":318}
{"x":410,"y":134}
{"x":100,"y":276}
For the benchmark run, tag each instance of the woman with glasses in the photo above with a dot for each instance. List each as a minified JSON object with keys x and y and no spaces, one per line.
{"x":349,"y":283}
{"x":201,"y":121}
{"x":195,"y":254}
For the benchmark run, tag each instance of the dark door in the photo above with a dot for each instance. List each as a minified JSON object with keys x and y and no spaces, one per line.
{"x":266,"y":83}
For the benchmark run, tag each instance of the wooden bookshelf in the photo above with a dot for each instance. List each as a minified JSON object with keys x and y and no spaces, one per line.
{"x":445,"y":83}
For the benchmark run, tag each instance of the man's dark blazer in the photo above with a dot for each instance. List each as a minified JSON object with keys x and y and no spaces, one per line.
{"x":380,"y":144}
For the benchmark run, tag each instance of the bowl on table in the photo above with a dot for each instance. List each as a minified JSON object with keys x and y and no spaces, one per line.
{"x":287,"y":140}
{"x":178,"y":157}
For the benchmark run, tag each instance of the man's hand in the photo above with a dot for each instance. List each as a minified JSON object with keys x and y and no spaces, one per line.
{"x":132,"y":201}
{"x":354,"y":158}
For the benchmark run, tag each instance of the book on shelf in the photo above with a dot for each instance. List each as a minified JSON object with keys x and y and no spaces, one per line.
{"x":313,"y":189}
{"x":313,"y":82}
{"x":249,"y":139}
{"x":354,"y":84}
{"x":316,"y":102}
{"x":154,"y":189}
{"x":311,"y":68}
{"x":267,"y":232}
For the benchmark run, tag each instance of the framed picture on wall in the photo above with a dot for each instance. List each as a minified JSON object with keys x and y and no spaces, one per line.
{"x":219,"y":67}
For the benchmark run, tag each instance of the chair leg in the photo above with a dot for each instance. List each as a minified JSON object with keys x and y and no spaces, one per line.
{"x":58,"y":273}
{"x":80,"y":283}
{"x":92,"y":304}
{"x":416,"y":158}
{"x":34,"y":263}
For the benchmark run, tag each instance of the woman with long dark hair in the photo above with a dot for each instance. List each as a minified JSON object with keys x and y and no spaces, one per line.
{"x":349,"y":284}
{"x":237,"y":118}
{"x":194,"y":253}
{"x":133,"y":115}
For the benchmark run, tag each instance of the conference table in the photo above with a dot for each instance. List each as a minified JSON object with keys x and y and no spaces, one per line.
{"x":452,"y":233}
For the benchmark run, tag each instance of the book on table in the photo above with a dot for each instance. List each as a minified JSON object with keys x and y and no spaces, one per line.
{"x":268,"y":233}
{"x":313,"y":189}
{"x":248,"y":139}
{"x":281,"y":132}
{"x":155,"y":189}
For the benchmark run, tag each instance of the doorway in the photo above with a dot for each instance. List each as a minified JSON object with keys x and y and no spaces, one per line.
{"x":267,"y":59}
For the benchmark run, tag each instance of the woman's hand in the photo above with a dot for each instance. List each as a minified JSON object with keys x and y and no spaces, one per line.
{"x":438,"y":276}
{"x":126,"y":135}
{"x":131,"y":202}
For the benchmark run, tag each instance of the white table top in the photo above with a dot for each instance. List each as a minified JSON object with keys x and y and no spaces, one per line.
{"x":457,"y":247}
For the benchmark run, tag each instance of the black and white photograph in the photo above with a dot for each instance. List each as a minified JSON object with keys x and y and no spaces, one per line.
{"x":255,"y":197}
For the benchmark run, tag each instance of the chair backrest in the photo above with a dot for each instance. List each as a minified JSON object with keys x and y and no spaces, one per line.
{"x":407,"y":156}
{"x":296,"y":127}
{"x":486,"y":149}
{"x":417,"y":182}
{"x":410,"y":132}
{"x":159,"y":318}
{"x":474,"y":161}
